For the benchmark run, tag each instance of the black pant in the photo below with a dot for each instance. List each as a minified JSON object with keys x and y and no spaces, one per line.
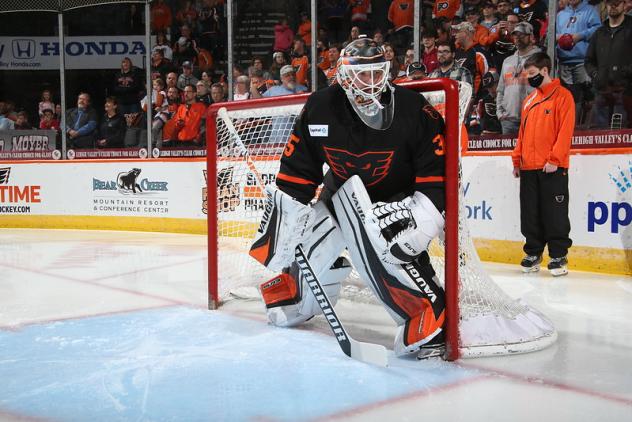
{"x":544,"y":212}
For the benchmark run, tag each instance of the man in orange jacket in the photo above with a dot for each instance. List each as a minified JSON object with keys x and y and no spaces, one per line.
{"x":188,"y":120}
{"x":540,"y":160}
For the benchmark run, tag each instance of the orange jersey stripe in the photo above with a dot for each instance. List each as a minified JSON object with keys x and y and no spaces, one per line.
{"x":294,"y":179}
{"x":429,"y":179}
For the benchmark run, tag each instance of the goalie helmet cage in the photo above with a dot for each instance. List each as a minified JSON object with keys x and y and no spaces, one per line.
{"x":243,"y":136}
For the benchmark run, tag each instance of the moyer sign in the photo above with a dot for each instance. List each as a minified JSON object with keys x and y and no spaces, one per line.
{"x":27,"y":140}
{"x":96,"y":52}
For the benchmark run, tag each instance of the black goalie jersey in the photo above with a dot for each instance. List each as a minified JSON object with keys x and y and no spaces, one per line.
{"x":392,"y":163}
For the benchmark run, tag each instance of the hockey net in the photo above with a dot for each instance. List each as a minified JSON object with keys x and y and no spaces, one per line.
{"x":482,"y":320}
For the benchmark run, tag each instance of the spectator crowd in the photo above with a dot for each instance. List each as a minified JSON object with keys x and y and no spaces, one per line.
{"x":482,"y":42}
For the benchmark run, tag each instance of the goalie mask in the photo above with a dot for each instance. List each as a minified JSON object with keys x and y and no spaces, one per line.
{"x":363,"y":74}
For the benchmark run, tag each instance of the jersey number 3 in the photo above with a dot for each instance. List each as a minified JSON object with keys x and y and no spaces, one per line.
{"x":438,"y":143}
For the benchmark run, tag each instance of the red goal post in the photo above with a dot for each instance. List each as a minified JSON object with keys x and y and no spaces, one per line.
{"x":450,"y":88}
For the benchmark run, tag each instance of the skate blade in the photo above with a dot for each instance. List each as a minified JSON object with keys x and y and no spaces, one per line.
{"x":533,"y":269}
{"x":558,"y":272}
{"x":434,"y":352}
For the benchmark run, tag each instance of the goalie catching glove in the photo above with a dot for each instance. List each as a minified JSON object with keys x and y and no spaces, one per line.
{"x":402,"y":230}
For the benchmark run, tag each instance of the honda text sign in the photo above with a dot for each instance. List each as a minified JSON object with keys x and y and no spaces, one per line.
{"x":42,"y":53}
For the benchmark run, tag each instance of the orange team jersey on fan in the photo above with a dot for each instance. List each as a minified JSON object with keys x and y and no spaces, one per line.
{"x":305,"y":32}
{"x":161,"y":17}
{"x":301,"y":64}
{"x":192,"y":118}
{"x":324,"y":61}
{"x":440,"y":107}
{"x":331,"y":75}
{"x":482,"y":36}
{"x":401,"y":13}
{"x":359,"y":9}
{"x":446,"y":8}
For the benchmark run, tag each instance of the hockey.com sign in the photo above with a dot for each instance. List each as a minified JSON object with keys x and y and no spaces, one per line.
{"x":16,"y":199}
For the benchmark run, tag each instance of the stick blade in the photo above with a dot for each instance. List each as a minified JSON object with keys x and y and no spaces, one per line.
{"x":375,"y":354}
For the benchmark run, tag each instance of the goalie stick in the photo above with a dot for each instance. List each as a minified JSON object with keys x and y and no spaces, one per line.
{"x":375,"y":354}
{"x":223,"y":114}
{"x":365,"y":352}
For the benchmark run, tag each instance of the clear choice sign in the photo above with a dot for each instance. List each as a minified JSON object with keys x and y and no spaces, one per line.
{"x":42,"y":53}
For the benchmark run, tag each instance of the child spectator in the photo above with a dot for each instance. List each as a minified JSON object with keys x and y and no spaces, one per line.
{"x":48,"y":120}
{"x":5,"y":123}
{"x":46,"y":103}
{"x":158,"y":97}
{"x":22,"y":122}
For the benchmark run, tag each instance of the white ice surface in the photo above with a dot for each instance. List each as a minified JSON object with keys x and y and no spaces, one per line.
{"x":113,"y":326}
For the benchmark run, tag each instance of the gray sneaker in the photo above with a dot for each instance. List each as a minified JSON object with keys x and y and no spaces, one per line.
{"x":531,"y":263}
{"x":558,"y":266}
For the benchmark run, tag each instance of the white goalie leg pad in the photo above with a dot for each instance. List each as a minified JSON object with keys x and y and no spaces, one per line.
{"x":410,"y":292}
{"x":323,"y":244}
{"x":284,"y":225}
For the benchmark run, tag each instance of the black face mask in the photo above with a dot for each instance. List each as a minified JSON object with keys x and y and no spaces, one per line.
{"x":536,"y":80}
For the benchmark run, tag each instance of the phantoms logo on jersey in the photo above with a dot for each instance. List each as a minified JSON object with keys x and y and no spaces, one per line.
{"x":372,"y":166}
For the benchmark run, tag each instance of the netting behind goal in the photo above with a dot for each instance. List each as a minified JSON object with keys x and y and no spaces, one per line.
{"x":482,"y":319}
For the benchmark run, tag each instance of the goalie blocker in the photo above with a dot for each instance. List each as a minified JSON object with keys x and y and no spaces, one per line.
{"x":405,"y":284}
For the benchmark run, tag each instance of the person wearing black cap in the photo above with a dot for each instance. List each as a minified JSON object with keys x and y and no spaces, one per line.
{"x":481,"y":33}
{"x":187,"y":77}
{"x":414,"y":72}
{"x":489,"y":15}
{"x":513,"y":86}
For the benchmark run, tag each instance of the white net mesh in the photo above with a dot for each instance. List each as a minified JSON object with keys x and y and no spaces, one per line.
{"x":490,"y":321}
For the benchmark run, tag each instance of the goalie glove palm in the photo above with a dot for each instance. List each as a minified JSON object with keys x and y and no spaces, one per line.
{"x":406,"y":228}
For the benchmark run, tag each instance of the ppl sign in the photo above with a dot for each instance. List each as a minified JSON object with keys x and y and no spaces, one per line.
{"x":619,"y":214}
